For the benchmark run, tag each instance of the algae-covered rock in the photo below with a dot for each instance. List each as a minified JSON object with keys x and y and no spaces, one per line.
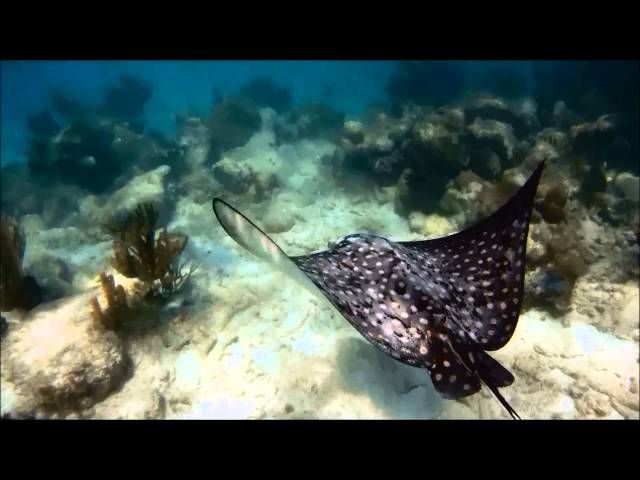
{"x":492,"y":145}
{"x":278,"y":219}
{"x":628,"y":185}
{"x":553,"y":204}
{"x":54,"y":275}
{"x":354,"y":132}
{"x":235,"y":177}
{"x":431,"y":225}
{"x":494,"y":108}
{"x":60,"y":360}
{"x":193,"y":136}
{"x":146,"y":188}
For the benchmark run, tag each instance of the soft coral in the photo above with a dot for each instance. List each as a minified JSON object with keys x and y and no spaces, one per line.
{"x":16,"y":289}
{"x":139,"y":253}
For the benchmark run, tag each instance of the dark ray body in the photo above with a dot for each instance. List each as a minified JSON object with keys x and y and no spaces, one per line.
{"x":438,"y":304}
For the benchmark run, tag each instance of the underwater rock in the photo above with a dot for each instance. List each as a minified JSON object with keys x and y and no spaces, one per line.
{"x":32,"y":224}
{"x":553,"y":203}
{"x":628,"y":185}
{"x":570,"y":264}
{"x":146,"y":188}
{"x":419,"y":153}
{"x":541,"y":150}
{"x":60,"y":204}
{"x":232,"y":123}
{"x":354,"y":132}
{"x":61,"y":361}
{"x":491,"y":144}
{"x":593,"y":404}
{"x":435,"y":153}
{"x":470,"y":197}
{"x":193,"y":136}
{"x":235,"y":178}
{"x":558,"y":139}
{"x":608,"y":306}
{"x":441,"y":140}
{"x":432,"y":225}
{"x":54,"y":276}
{"x":496,"y":109}
{"x":279,"y":218}
{"x":371,"y":150}
{"x":462,"y":193}
{"x":238,"y":178}
{"x":4,"y":326}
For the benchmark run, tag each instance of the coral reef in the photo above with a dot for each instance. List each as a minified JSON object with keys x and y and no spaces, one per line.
{"x":489,"y":107}
{"x":17,"y":290}
{"x":107,"y":336}
{"x":628,"y":185}
{"x":97,"y":145}
{"x":553,"y":203}
{"x":493,"y":144}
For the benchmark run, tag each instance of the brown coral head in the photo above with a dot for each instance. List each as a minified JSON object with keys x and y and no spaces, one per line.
{"x":552,"y":207}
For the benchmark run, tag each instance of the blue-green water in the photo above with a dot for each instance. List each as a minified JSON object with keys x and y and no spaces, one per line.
{"x":312,"y":151}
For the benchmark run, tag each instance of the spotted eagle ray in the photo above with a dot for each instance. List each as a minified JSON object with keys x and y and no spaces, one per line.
{"x":437,"y":304}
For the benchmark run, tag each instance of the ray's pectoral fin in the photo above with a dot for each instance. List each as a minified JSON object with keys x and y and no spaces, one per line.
{"x":253,"y":239}
{"x":488,"y":260}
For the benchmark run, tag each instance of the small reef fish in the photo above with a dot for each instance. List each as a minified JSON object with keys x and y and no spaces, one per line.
{"x":437,"y":304}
